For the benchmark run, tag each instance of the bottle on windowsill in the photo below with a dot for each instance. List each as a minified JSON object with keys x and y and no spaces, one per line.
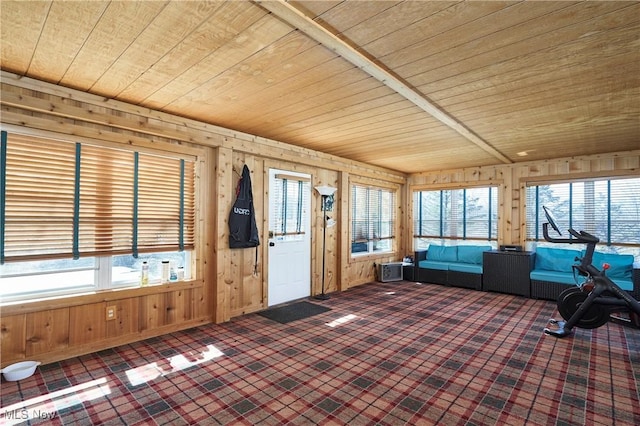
{"x":165,"y":272}
{"x":144,"y":275}
{"x":173,"y":272}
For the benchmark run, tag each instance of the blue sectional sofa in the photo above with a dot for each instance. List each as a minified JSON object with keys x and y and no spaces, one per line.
{"x":458,"y":266}
{"x":553,"y":271}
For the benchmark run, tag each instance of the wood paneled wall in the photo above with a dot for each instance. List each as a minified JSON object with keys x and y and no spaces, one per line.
{"x":226,"y":285}
{"x":512,"y":180}
{"x":52,"y":330}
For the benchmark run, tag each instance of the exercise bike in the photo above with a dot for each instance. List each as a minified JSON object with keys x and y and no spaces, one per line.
{"x":592,"y":303}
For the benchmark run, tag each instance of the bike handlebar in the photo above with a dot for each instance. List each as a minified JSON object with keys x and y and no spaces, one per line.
{"x":585,"y":267}
{"x":581,"y":237}
{"x":584,"y":237}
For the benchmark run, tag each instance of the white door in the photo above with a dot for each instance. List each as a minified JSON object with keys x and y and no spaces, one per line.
{"x":289,"y":236}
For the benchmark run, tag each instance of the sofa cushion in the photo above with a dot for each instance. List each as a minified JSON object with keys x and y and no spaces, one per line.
{"x":556,"y":259}
{"x":442,"y":253}
{"x":469,"y":268}
{"x":434,"y":264}
{"x":565,"y":278}
{"x":554,"y":276}
{"x":621,"y":265}
{"x":471,"y":254}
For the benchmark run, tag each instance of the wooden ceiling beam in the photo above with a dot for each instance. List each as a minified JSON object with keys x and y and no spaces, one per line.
{"x":297,"y":19}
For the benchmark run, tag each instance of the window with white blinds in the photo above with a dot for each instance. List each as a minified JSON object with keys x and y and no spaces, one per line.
{"x":455,"y":214}
{"x":373,"y":219}
{"x":63,"y":199}
{"x":606,"y":208}
{"x":288,"y":216}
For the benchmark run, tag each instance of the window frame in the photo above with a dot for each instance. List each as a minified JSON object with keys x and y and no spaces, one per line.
{"x":603,"y":245}
{"x":394,"y":191}
{"x":104,"y":264}
{"x":280,"y":217}
{"x":445,"y":240}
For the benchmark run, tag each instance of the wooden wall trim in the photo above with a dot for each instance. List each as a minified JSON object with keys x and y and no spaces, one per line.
{"x":538,"y":180}
{"x":343,"y":229}
{"x":207,"y":229}
{"x":224,"y":201}
{"x":93,"y":137}
{"x":453,"y":185}
{"x":613,"y":155}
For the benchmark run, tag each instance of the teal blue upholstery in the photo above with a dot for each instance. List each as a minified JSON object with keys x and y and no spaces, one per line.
{"x":469,"y":268}
{"x":553,"y":270}
{"x":556,"y":259}
{"x":448,"y":257}
{"x":444,"y":258}
{"x":442,"y":253}
{"x":459,"y":266}
{"x":620,"y":265}
{"x":472,"y":254}
{"x":434,"y":264}
{"x":555,"y":277}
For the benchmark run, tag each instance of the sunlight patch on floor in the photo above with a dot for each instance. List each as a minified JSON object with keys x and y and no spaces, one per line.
{"x":47,"y":405}
{"x":148,"y":372}
{"x":341,"y":320}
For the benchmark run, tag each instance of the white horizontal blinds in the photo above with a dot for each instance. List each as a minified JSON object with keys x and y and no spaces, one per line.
{"x":624,"y":202}
{"x":360,"y":226}
{"x":373,"y":214}
{"x":287,"y":212}
{"x":39,"y":198}
{"x":607,"y":208}
{"x":64,"y":199}
{"x":470,"y":213}
{"x":426,"y":213}
{"x":385,"y":216}
{"x":480,"y":213}
{"x":106,"y":200}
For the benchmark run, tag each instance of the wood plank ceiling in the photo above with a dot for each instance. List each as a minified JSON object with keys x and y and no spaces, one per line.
{"x":409,"y":85}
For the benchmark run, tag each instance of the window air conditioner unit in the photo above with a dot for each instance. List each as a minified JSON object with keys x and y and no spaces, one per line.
{"x":390,"y":272}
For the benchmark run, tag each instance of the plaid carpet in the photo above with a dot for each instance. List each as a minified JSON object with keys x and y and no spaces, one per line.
{"x":388,"y":354}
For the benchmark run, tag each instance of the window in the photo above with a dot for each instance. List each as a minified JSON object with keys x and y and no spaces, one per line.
{"x":78,"y":217}
{"x":289,"y":217}
{"x":606,"y":208}
{"x":373,"y":219}
{"x":56,"y":277}
{"x":455,"y":214}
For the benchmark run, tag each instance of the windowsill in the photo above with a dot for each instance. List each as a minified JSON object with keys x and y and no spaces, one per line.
{"x":371,"y":256}
{"x":57,"y":302}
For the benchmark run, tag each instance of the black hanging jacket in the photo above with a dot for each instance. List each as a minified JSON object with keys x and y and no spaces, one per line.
{"x":243,"y":231}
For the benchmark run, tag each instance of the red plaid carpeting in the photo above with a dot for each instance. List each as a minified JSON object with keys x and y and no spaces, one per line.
{"x":388,"y":354}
